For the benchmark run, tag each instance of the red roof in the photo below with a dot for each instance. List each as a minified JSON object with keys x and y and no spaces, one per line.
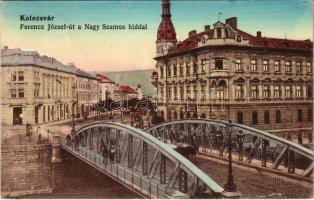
{"x":126,"y":89}
{"x":255,"y":41}
{"x":104,"y":79}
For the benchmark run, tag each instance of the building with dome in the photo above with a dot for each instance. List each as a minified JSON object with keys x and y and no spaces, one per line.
{"x":226,"y":73}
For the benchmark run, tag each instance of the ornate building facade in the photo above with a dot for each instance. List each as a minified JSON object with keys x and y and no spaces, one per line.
{"x":39,"y":89}
{"x":226,"y":73}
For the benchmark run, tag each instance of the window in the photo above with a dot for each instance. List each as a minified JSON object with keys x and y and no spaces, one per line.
{"x":277,"y":66}
{"x":239,"y":92}
{"x":238,"y":65}
{"x":300,"y":138}
{"x":13,"y":93}
{"x":218,"y":64}
{"x":299,"y":67}
{"x":240,"y":117}
{"x":309,"y":67}
{"x":288,"y":66}
{"x":266,"y":117}
{"x":310,"y":115}
{"x":277,"y":91}
{"x":169,"y":72}
{"x":300,"y":115}
{"x":299,"y":91}
{"x":195,"y":68}
{"x":161,"y":72}
{"x":309,"y":91}
{"x":254,"y":91}
{"x":175,"y":92}
{"x":202,"y":89}
{"x":265,"y":66}
{"x":187,"y":69}
{"x":219,"y":34}
{"x":254,"y":118}
{"x":168,"y":93}
{"x":195,"y":91}
{"x":288,"y":92}
{"x":181,"y":69}
{"x":253,"y":65}
{"x":203,"y":65}
{"x":21,"y":75}
{"x":21,"y":93}
{"x":13,"y":76}
{"x":266,"y":92}
{"x":188,"y":89}
{"x":174,"y":70}
{"x":278,"y":116}
{"x":181,"y":92}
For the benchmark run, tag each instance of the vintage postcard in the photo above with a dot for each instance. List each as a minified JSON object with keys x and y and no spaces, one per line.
{"x":157,"y":99}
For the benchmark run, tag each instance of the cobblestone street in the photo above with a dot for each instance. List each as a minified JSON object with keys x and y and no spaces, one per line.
{"x":253,"y":183}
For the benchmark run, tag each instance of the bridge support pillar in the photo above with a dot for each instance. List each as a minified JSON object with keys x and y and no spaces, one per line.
{"x":56,"y":161}
{"x":56,"y":155}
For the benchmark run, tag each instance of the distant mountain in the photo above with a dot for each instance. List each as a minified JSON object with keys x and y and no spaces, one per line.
{"x":133,"y":78}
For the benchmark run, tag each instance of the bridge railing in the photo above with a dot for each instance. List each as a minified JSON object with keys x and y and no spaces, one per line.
{"x":119,"y":172}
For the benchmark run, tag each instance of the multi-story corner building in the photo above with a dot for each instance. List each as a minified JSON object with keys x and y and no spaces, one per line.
{"x":40,"y":89}
{"x":226,"y":73}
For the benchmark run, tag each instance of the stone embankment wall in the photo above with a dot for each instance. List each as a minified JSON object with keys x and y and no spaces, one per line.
{"x":25,"y":169}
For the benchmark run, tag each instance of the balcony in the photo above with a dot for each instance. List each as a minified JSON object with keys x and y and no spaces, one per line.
{"x":218,"y":73}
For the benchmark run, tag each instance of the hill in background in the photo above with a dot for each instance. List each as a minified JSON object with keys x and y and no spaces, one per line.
{"x":133,"y":78}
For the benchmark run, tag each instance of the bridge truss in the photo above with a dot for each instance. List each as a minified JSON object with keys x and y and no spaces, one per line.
{"x":248,"y":144}
{"x":139,"y":161}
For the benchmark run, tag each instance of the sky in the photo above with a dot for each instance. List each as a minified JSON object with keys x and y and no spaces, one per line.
{"x":122,"y":50}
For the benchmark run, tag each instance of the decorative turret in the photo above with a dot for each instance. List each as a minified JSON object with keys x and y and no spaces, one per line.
{"x":166,"y":36}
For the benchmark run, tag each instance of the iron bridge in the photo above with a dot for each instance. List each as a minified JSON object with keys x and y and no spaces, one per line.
{"x":140,"y":161}
{"x":248,"y":144}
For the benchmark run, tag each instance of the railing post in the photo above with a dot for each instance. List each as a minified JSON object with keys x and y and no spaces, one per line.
{"x":130,"y":152}
{"x":150,"y":190}
{"x":162,"y":169}
{"x":157,"y":190}
{"x":291,"y":168}
{"x":263,"y":153}
{"x":182,"y":181}
{"x":141,"y":183}
{"x":144,"y":160}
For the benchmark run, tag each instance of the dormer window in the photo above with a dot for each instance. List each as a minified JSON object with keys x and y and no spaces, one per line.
{"x":238,"y":38}
{"x":218,"y":64}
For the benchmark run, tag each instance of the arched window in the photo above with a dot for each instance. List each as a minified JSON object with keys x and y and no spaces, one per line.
{"x":309,"y":91}
{"x":175,"y":115}
{"x":310,"y":115}
{"x":278,"y":116}
{"x":266,"y":117}
{"x":240,"y":117}
{"x":169,"y":116}
{"x":188,"y":115}
{"x":181,"y":115}
{"x":300,"y":115}
{"x":254,"y":118}
{"x":195,"y":115}
{"x":203,"y":115}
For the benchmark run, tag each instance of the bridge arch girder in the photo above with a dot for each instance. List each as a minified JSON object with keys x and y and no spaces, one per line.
{"x":129,"y":152}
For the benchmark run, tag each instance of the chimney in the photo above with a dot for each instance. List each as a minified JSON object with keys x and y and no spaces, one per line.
{"x":71,"y":64}
{"x":233,"y":22}
{"x":191,"y":33}
{"x":207,"y":27}
{"x":258,"y":34}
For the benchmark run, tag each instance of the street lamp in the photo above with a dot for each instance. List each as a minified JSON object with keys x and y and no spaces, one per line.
{"x":240,"y":139}
{"x":230,"y":185}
